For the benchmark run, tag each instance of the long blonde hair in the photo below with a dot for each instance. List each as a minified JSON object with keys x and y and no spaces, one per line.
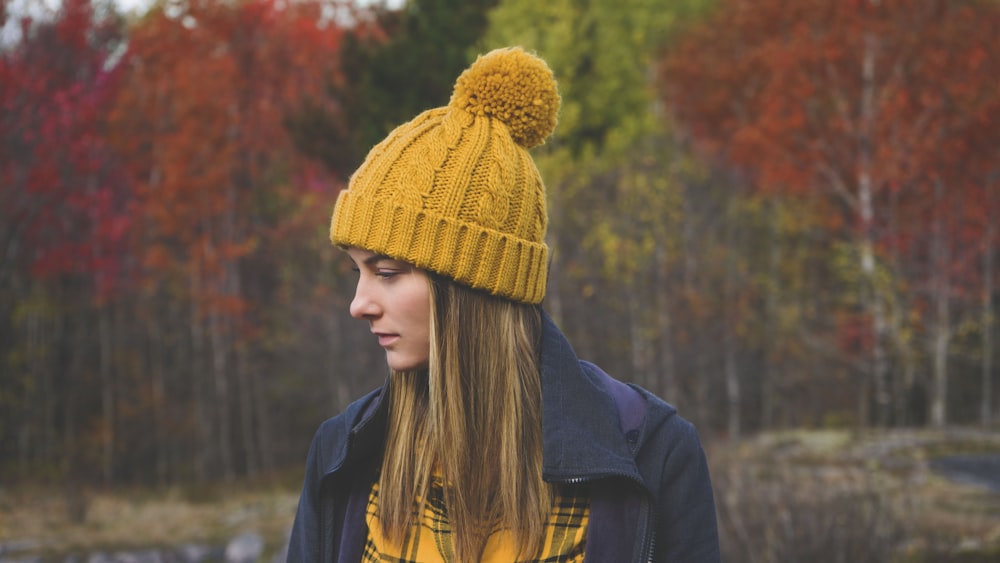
{"x":475,"y":416}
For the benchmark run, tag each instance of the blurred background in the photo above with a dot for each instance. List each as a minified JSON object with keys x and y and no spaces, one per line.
{"x":780,"y":216}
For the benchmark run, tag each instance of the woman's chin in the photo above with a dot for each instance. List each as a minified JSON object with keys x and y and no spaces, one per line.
{"x":405,"y":364}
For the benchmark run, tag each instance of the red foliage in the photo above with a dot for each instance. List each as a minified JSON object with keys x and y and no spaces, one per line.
{"x":64,"y":198}
{"x":778,"y":88}
{"x":894,"y":100}
{"x":202,"y":120}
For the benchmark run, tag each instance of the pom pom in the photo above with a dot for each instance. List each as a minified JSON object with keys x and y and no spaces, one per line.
{"x":514,"y":87}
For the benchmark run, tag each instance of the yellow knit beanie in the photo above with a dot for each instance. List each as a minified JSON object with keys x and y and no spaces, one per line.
{"x":454,"y":191}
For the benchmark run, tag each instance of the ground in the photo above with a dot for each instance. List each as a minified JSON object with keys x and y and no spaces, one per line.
{"x":899,"y":495}
{"x":36,"y":521}
{"x":904,"y":496}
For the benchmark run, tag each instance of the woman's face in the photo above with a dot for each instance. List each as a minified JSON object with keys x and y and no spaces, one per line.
{"x":394,"y":297}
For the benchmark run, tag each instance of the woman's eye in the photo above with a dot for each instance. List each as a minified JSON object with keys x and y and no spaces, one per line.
{"x":386,"y":274}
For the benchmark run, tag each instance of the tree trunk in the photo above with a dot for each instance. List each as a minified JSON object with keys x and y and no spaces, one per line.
{"x":73,"y":479}
{"x":664,"y":324}
{"x":734,"y":397}
{"x":155,"y":358}
{"x":865,"y":181}
{"x":941,"y":331}
{"x":986,"y":406}
{"x":247,"y":427}
{"x":219,"y":342}
{"x":905,"y":385}
{"x":105,"y":348}
{"x":639,"y":343}
{"x":203,"y":421}
{"x":263,"y":423}
{"x":688,"y":244}
{"x":771,"y":297}
{"x":223,"y":409}
{"x":47,"y":338}
{"x":553,"y":292}
{"x":244,"y":375}
{"x":342,"y":385}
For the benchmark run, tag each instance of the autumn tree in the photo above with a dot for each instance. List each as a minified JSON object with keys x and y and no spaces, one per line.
{"x":632,"y":215}
{"x":209,"y":89}
{"x":63,"y":228}
{"x":954,"y":95}
{"x":845,"y":100}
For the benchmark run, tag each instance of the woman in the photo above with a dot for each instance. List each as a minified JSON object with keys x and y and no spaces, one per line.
{"x":491,"y":440}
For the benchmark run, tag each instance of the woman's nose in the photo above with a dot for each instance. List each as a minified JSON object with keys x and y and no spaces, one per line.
{"x":363,"y":306}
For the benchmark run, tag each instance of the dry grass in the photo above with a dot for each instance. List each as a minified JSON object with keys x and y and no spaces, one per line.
{"x":873,"y":492}
{"x":42,"y":521}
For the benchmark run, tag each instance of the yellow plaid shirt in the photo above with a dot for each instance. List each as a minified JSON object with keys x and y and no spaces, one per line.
{"x":565,"y":536}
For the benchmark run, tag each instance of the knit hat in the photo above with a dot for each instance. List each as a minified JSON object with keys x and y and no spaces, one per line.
{"x":454,"y":191}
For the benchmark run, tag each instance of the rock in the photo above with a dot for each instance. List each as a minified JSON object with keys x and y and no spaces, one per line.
{"x":100,"y":557}
{"x":145,"y":556}
{"x":14,"y":546}
{"x":25,"y":559}
{"x":244,"y":548}
{"x":194,"y":553}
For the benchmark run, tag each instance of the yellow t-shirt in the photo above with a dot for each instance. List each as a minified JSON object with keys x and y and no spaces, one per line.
{"x":565,"y":535}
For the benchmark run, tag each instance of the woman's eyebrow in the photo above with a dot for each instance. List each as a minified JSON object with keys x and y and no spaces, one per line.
{"x":375,"y":258}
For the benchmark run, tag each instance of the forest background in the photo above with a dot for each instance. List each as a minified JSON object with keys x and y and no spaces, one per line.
{"x":777,"y":215}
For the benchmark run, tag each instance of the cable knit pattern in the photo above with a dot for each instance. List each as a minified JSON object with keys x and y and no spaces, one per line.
{"x":454,"y":190}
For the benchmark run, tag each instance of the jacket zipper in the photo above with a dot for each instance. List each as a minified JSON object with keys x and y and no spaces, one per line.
{"x":646,"y":531}
{"x":589,"y":478}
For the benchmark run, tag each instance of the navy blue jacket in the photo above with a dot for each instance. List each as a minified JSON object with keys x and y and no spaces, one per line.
{"x":651,"y":497}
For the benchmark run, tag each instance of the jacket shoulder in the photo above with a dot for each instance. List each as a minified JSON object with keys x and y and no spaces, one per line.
{"x":329,"y":444}
{"x":666,"y":432}
{"x":672,"y":459}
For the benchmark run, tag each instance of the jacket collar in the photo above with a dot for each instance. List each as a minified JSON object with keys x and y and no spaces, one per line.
{"x":582,"y":438}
